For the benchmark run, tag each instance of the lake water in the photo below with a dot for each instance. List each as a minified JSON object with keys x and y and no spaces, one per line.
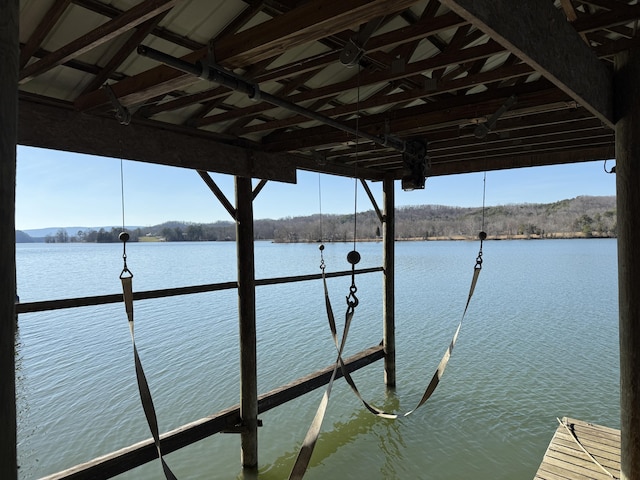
{"x":540,"y":341}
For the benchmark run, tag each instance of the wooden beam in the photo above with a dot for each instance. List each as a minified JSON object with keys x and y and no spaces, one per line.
{"x":569,"y":10}
{"x":104,"y":33}
{"x":622,"y":15}
{"x":9,"y":59}
{"x":110,"y":11}
{"x":628,"y":202}
{"x":461,"y":109}
{"x":123,"y":53}
{"x":380,"y":100}
{"x":310,"y":22}
{"x":123,"y":460}
{"x":213,"y":186}
{"x":415,"y":68}
{"x":49,"y":19}
{"x":247,"y":323}
{"x":61,"y":128}
{"x":540,"y":35}
{"x":388,"y":299}
{"x":158,"y":81}
{"x":532,"y":138}
{"x":522,"y":159}
{"x":602,"y":139}
{"x":48,"y":305}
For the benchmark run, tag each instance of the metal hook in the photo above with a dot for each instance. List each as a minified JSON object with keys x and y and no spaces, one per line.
{"x":352,"y":295}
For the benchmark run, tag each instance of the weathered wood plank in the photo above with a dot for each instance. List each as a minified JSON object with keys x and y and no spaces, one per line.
{"x":523,"y":159}
{"x":565,"y":459}
{"x":565,"y":451}
{"x":59,"y":127}
{"x":600,"y":438}
{"x":576,"y":470}
{"x":247,"y":322}
{"x":541,"y":36}
{"x":596,"y":449}
{"x":627,"y":88}
{"x":9,"y":59}
{"x":133,"y":456}
{"x":388,"y":282}
{"x":46,"y":305}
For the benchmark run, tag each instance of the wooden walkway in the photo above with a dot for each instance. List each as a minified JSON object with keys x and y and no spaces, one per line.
{"x":565,"y":459}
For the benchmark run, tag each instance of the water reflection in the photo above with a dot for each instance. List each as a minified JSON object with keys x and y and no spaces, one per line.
{"x":340,"y":434}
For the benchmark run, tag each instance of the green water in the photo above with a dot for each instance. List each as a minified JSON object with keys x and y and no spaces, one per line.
{"x":540,"y":341}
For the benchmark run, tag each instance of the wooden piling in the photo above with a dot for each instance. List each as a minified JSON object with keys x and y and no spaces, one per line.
{"x":627,"y":103}
{"x":9,"y":58}
{"x":388,"y":239}
{"x":247,"y":320}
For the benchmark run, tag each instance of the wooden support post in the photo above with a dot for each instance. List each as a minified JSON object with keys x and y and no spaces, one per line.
{"x":389,"y":327}
{"x":627,"y":109}
{"x":247,"y":318}
{"x":9,"y":60}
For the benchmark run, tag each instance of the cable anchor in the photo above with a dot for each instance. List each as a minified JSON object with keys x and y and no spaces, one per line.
{"x":123,"y":115}
{"x":482,"y":236}
{"x":124,"y":237}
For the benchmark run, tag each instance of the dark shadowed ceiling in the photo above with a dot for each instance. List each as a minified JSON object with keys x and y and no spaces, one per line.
{"x":483,"y":84}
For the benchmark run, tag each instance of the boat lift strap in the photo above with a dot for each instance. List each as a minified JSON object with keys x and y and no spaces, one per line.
{"x":308,"y":445}
{"x":126,"y":277}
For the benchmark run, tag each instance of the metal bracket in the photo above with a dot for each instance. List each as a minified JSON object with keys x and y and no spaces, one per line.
{"x":351,"y":54}
{"x":354,"y":49}
{"x":123,"y":115}
{"x":483,"y":129}
{"x":239,"y":427}
{"x":320,"y":158}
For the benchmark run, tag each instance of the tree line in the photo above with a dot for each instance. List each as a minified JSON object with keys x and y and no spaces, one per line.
{"x":584,"y":216}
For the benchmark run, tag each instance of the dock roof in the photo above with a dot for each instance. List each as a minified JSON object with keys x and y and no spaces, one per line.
{"x":483,"y":84}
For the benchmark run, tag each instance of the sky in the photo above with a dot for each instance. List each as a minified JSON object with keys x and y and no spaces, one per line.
{"x":61,"y":189}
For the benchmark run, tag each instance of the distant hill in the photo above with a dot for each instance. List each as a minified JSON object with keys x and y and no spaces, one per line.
{"x":55,"y":234}
{"x":43,"y":232}
{"x":23,"y":237}
{"x":583,"y":216}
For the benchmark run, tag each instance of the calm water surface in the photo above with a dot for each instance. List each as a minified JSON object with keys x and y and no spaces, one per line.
{"x":540,"y":341}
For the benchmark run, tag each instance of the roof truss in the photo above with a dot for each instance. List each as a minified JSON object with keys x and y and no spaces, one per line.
{"x":430,"y":69}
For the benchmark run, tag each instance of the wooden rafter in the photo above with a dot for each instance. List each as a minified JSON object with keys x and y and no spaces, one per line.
{"x":407,"y":96}
{"x":312,"y":21}
{"x":435,"y":96}
{"x":110,"y":11}
{"x":422,"y":118}
{"x":49,"y":19}
{"x":137,"y":15}
{"x":443,"y":60}
{"x":161,"y":80}
{"x":542,"y":37}
{"x":127,"y":49}
{"x":569,"y":10}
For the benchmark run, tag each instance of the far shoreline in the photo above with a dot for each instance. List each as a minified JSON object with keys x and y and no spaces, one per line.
{"x":469,"y":238}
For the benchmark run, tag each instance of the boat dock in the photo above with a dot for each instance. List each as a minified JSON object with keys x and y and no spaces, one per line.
{"x":581,"y":450}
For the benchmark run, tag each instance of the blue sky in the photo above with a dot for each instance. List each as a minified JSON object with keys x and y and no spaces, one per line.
{"x":61,"y":189}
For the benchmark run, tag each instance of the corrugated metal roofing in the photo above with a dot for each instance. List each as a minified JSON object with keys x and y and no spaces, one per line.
{"x":425,"y":73}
